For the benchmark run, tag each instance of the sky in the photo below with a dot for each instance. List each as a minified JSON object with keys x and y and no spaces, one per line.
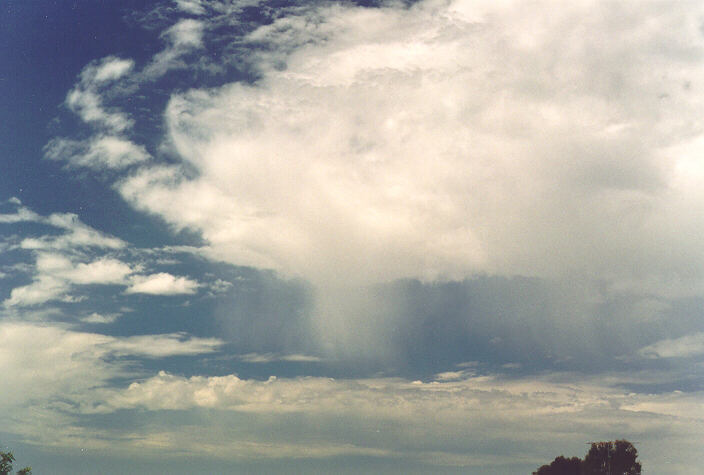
{"x":305,"y":236}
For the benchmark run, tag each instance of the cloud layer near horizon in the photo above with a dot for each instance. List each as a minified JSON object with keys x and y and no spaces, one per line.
{"x":438,"y":422}
{"x":64,"y":379}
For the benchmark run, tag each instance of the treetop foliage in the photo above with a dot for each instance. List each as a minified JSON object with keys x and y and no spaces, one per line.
{"x":616,"y":457}
{"x":6,"y":459}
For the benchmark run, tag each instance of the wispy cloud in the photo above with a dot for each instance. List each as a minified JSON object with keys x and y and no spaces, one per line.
{"x":160,"y":346}
{"x":683,"y":347}
{"x":62,"y":262}
{"x":182,"y":38}
{"x":194,"y":7}
{"x":56,"y":274}
{"x":22,"y":214}
{"x":98,"y":318}
{"x":273,"y":357}
{"x":86,"y":101}
{"x":59,"y":264}
{"x":109,"y":147}
{"x":43,"y":361}
{"x":77,"y":234}
{"x":98,"y":153}
{"x":106,"y":70}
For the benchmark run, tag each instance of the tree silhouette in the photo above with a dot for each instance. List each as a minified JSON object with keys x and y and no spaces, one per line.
{"x":6,"y":459}
{"x":612,"y":458}
{"x":561,"y":466}
{"x":604,"y":458}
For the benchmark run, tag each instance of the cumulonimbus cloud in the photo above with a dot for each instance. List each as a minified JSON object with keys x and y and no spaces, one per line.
{"x":449,"y":139}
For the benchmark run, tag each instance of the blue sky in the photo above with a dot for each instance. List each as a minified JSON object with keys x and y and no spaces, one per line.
{"x":317,"y":237}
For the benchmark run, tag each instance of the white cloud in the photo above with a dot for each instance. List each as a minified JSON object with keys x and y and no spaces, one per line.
{"x":108,"y":148}
{"x":61,"y":264}
{"x":51,"y":374}
{"x":453,"y":375}
{"x":298,"y":358}
{"x":439,"y":141}
{"x":183,"y":38}
{"x":56,"y":274}
{"x":56,"y":270}
{"x":468,"y":364}
{"x":686,"y":406}
{"x":98,"y":153}
{"x":194,"y":7}
{"x":220,"y":286}
{"x":160,"y":346}
{"x":107,"y":69}
{"x":21,"y":215}
{"x":100,"y":271}
{"x":42,"y":289}
{"x":186,"y":34}
{"x":89,"y":106}
{"x":449,"y":139}
{"x":113,"y":152}
{"x":272,"y":357}
{"x":78,"y":235}
{"x":683,"y":347}
{"x":39,"y":362}
{"x":100,"y":318}
{"x":85,"y":98}
{"x":162,"y":284}
{"x":420,"y":418}
{"x":373,"y":397}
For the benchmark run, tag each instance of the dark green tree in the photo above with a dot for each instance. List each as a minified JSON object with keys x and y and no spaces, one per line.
{"x":561,"y":466}
{"x":6,"y":459}
{"x":604,"y":458}
{"x":612,"y":458}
